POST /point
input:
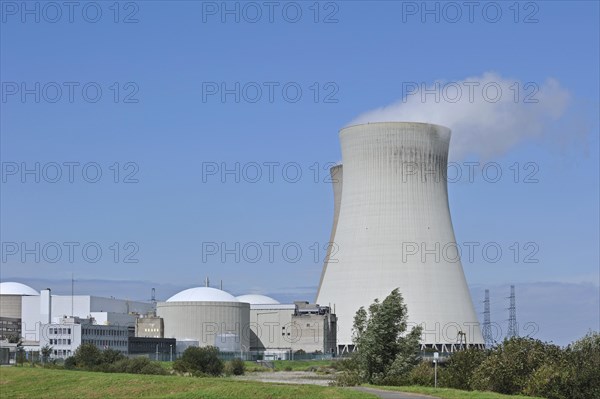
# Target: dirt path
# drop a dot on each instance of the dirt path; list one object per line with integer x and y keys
{"x": 312, "y": 378}
{"x": 392, "y": 394}
{"x": 288, "y": 377}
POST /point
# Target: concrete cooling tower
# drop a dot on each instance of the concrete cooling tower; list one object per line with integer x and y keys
{"x": 392, "y": 229}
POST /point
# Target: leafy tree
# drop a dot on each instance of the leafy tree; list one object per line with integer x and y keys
{"x": 459, "y": 369}
{"x": 511, "y": 364}
{"x": 583, "y": 357}
{"x": 88, "y": 356}
{"x": 110, "y": 356}
{"x": 385, "y": 354}
{"x": 423, "y": 374}
{"x": 46, "y": 352}
{"x": 200, "y": 361}
{"x": 70, "y": 363}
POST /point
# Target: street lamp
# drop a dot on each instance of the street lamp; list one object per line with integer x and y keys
{"x": 171, "y": 347}
{"x": 436, "y": 356}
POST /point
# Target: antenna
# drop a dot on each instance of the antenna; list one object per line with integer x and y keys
{"x": 153, "y": 295}
{"x": 513, "y": 328}
{"x": 206, "y": 282}
{"x": 221, "y": 285}
{"x": 487, "y": 322}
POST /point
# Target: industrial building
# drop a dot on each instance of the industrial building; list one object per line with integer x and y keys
{"x": 47, "y": 309}
{"x": 149, "y": 326}
{"x": 208, "y": 316}
{"x": 278, "y": 330}
{"x": 163, "y": 349}
{"x": 391, "y": 223}
{"x": 270, "y": 332}
{"x": 10, "y": 307}
{"x": 315, "y": 329}
{"x": 68, "y": 333}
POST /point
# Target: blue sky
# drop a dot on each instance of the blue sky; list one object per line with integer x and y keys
{"x": 166, "y": 131}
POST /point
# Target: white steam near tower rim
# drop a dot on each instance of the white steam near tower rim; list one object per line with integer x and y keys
{"x": 489, "y": 114}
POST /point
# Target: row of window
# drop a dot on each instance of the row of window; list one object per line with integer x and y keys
{"x": 61, "y": 331}
{"x": 102, "y": 331}
{"x": 62, "y": 352}
{"x": 104, "y": 342}
{"x": 61, "y": 341}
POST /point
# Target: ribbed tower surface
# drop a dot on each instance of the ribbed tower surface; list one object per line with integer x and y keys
{"x": 392, "y": 229}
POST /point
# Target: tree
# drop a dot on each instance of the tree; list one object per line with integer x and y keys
{"x": 46, "y": 352}
{"x": 459, "y": 369}
{"x": 88, "y": 356}
{"x": 510, "y": 366}
{"x": 385, "y": 354}
{"x": 200, "y": 361}
{"x": 110, "y": 356}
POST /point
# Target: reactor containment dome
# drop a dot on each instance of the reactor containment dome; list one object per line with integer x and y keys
{"x": 392, "y": 229}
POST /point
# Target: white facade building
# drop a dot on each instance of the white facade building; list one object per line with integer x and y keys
{"x": 48, "y": 309}
{"x": 65, "y": 336}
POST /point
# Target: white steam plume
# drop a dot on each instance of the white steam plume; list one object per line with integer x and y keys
{"x": 488, "y": 114}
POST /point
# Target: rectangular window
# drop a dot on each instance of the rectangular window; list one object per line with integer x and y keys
{"x": 69, "y": 331}
{"x": 68, "y": 341}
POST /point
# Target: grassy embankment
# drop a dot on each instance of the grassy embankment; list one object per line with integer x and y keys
{"x": 448, "y": 393}
{"x": 27, "y": 382}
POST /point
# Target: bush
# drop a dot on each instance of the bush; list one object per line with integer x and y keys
{"x": 347, "y": 378}
{"x": 547, "y": 381}
{"x": 119, "y": 366}
{"x": 423, "y": 374}
{"x": 136, "y": 365}
{"x": 153, "y": 368}
{"x": 235, "y": 367}
{"x": 110, "y": 356}
{"x": 509, "y": 366}
{"x": 459, "y": 369}
{"x": 70, "y": 363}
{"x": 88, "y": 356}
{"x": 200, "y": 361}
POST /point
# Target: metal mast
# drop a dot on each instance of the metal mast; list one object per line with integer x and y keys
{"x": 487, "y": 321}
{"x": 513, "y": 329}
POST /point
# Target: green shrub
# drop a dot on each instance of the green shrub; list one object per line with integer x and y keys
{"x": 235, "y": 367}
{"x": 200, "y": 361}
{"x": 70, "y": 363}
{"x": 509, "y": 366}
{"x": 423, "y": 374}
{"x": 459, "y": 369}
{"x": 153, "y": 368}
{"x": 547, "y": 381}
{"x": 347, "y": 378}
{"x": 87, "y": 356}
{"x": 136, "y": 365}
{"x": 120, "y": 366}
{"x": 110, "y": 356}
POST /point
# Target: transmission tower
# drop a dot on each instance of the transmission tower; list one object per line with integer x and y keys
{"x": 513, "y": 329}
{"x": 487, "y": 322}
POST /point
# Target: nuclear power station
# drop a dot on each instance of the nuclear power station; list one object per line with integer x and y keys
{"x": 392, "y": 229}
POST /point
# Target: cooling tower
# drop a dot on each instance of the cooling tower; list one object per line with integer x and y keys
{"x": 392, "y": 229}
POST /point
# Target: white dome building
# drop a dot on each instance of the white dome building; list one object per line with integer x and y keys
{"x": 210, "y": 316}
{"x": 256, "y": 299}
{"x": 11, "y": 308}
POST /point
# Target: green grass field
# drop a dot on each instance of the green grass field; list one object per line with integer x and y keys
{"x": 447, "y": 393}
{"x": 26, "y": 382}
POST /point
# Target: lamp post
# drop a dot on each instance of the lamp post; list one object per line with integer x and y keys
{"x": 156, "y": 352}
{"x": 436, "y": 356}
{"x": 171, "y": 347}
